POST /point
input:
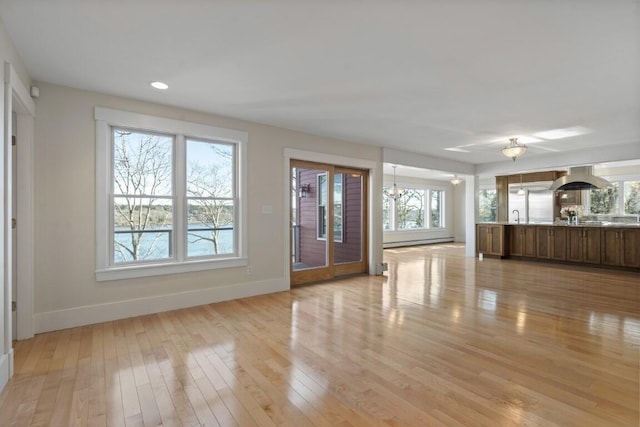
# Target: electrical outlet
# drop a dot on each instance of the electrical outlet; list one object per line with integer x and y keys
{"x": 384, "y": 266}
{"x": 249, "y": 269}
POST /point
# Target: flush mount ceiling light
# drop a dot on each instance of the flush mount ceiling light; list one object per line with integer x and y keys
{"x": 160, "y": 85}
{"x": 456, "y": 180}
{"x": 394, "y": 192}
{"x": 514, "y": 150}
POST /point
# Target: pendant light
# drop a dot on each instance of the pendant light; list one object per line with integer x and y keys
{"x": 395, "y": 193}
{"x": 521, "y": 191}
{"x": 456, "y": 180}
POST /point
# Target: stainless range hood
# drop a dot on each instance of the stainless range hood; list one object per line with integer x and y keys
{"x": 579, "y": 178}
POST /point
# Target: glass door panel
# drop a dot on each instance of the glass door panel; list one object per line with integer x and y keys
{"x": 309, "y": 221}
{"x": 349, "y": 241}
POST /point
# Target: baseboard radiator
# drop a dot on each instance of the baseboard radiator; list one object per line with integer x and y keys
{"x": 417, "y": 242}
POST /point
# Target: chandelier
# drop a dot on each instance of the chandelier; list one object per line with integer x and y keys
{"x": 456, "y": 180}
{"x": 394, "y": 192}
{"x": 514, "y": 150}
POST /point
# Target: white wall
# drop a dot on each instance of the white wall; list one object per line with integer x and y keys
{"x": 66, "y": 292}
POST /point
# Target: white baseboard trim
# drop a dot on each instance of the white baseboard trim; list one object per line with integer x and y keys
{"x": 11, "y": 363}
{"x": 90, "y": 314}
{"x": 417, "y": 242}
{"x": 5, "y": 369}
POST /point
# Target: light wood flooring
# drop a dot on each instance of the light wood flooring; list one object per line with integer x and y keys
{"x": 441, "y": 339}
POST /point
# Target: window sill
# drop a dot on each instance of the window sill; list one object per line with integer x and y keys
{"x": 135, "y": 271}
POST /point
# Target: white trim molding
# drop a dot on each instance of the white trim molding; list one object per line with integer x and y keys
{"x": 91, "y": 314}
{"x": 16, "y": 98}
{"x": 5, "y": 368}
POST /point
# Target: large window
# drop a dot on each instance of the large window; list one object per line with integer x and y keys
{"x": 622, "y": 198}
{"x": 437, "y": 208}
{"x": 417, "y": 208}
{"x": 142, "y": 196}
{"x": 487, "y": 202}
{"x": 169, "y": 196}
{"x": 409, "y": 209}
{"x": 632, "y": 197}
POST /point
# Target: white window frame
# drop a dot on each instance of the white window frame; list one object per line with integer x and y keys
{"x": 425, "y": 219}
{"x": 322, "y": 208}
{"x": 428, "y": 226}
{"x": 107, "y": 118}
{"x": 443, "y": 215}
{"x": 338, "y": 238}
{"x": 586, "y": 196}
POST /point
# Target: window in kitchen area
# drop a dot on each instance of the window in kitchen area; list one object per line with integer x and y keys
{"x": 487, "y": 205}
{"x": 622, "y": 198}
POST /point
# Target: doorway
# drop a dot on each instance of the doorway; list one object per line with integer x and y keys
{"x": 328, "y": 221}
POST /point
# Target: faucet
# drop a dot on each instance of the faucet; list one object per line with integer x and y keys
{"x": 517, "y": 212}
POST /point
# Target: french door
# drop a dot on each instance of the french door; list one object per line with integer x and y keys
{"x": 328, "y": 221}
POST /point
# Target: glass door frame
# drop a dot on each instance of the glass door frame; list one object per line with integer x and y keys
{"x": 330, "y": 270}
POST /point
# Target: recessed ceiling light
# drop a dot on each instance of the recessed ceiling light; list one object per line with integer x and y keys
{"x": 563, "y": 133}
{"x": 160, "y": 85}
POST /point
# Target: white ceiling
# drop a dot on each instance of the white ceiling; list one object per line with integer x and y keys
{"x": 416, "y": 76}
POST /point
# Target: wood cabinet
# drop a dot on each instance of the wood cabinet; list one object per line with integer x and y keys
{"x": 502, "y": 198}
{"x": 559, "y": 243}
{"x": 583, "y": 244}
{"x": 621, "y": 247}
{"x": 611, "y": 246}
{"x": 490, "y": 239}
{"x": 522, "y": 241}
{"x": 551, "y": 243}
{"x": 570, "y": 197}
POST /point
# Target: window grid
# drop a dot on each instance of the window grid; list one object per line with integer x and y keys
{"x": 622, "y": 198}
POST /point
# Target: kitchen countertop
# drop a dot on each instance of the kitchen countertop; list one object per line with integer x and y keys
{"x": 599, "y": 224}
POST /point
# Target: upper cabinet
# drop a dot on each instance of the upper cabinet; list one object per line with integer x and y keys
{"x": 570, "y": 197}
{"x": 502, "y": 190}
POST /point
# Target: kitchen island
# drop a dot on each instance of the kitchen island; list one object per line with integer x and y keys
{"x": 594, "y": 244}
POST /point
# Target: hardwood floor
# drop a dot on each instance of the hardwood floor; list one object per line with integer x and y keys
{"x": 442, "y": 340}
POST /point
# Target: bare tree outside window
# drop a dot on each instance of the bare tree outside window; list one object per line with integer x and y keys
{"x": 169, "y": 196}
{"x": 386, "y": 210}
{"x": 142, "y": 202}
{"x": 210, "y": 201}
{"x": 437, "y": 208}
{"x": 410, "y": 209}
